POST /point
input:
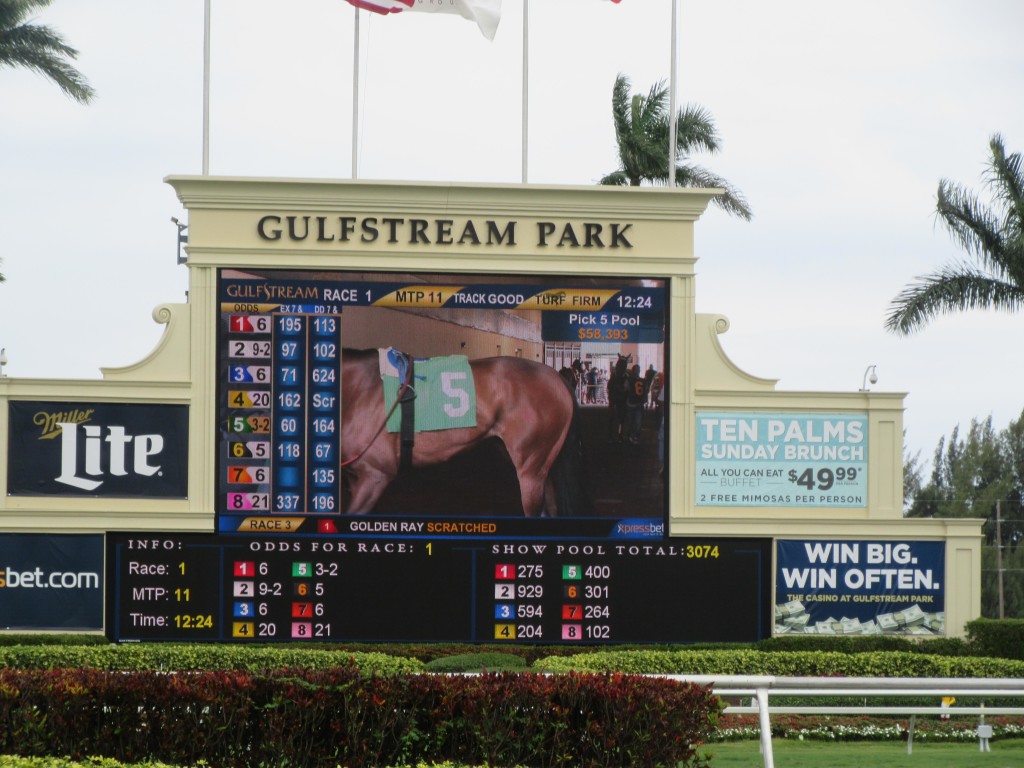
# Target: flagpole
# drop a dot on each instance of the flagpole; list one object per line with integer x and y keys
{"x": 206, "y": 88}
{"x": 355, "y": 94}
{"x": 672, "y": 148}
{"x": 526, "y": 85}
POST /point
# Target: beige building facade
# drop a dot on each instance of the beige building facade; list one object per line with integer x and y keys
{"x": 241, "y": 225}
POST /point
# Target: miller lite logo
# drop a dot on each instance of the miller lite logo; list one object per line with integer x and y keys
{"x": 99, "y": 449}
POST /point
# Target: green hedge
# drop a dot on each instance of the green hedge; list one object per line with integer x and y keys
{"x": 987, "y": 637}
{"x": 165, "y": 657}
{"x": 13, "y": 761}
{"x": 342, "y": 717}
{"x": 794, "y": 663}
{"x": 51, "y": 638}
{"x": 997, "y": 637}
{"x": 939, "y": 646}
{"x": 478, "y": 662}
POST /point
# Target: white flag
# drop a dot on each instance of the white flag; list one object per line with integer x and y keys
{"x": 486, "y": 13}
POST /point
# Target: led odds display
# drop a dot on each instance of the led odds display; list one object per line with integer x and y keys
{"x": 232, "y": 589}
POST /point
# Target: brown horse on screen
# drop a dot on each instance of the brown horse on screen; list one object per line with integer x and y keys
{"x": 525, "y": 404}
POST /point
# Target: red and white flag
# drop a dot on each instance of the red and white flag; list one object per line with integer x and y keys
{"x": 486, "y": 13}
{"x": 383, "y": 6}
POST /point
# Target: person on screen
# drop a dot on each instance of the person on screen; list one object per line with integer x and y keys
{"x": 636, "y": 398}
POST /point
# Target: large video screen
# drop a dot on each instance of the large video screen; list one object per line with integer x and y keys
{"x": 474, "y": 405}
{"x": 433, "y": 458}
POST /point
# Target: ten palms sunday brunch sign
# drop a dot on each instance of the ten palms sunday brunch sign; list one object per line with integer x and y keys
{"x": 753, "y": 459}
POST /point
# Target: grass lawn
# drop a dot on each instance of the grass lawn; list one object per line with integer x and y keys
{"x": 866, "y": 754}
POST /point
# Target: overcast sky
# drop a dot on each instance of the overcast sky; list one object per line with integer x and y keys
{"x": 837, "y": 120}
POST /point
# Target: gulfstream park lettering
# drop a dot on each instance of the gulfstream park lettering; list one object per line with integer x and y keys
{"x": 370, "y": 229}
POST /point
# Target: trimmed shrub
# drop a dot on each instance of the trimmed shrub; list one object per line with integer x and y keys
{"x": 172, "y": 656}
{"x": 478, "y": 662}
{"x": 339, "y": 716}
{"x": 1001, "y": 638}
{"x": 792, "y": 664}
{"x": 51, "y": 638}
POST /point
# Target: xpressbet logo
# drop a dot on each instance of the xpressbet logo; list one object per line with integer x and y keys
{"x": 117, "y": 440}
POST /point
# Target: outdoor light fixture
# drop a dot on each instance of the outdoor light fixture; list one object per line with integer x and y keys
{"x": 182, "y": 238}
{"x": 3, "y": 360}
{"x": 869, "y": 377}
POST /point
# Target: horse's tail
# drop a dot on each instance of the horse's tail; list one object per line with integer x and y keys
{"x": 568, "y": 474}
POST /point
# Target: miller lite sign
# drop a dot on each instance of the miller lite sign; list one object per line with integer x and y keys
{"x": 97, "y": 449}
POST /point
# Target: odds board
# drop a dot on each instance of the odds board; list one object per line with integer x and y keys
{"x": 229, "y": 589}
{"x": 281, "y": 412}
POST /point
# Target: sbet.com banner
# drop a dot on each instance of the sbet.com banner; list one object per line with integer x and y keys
{"x": 781, "y": 459}
{"x": 51, "y": 581}
{"x": 826, "y": 587}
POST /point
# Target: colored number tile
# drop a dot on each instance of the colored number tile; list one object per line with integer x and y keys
{"x": 504, "y": 611}
{"x": 504, "y": 571}
{"x": 572, "y": 612}
{"x": 244, "y": 609}
{"x": 504, "y": 631}
{"x": 243, "y": 588}
{"x": 302, "y": 570}
{"x": 244, "y": 568}
{"x": 243, "y": 629}
{"x": 572, "y": 572}
{"x": 302, "y": 629}
{"x": 572, "y": 631}
{"x": 302, "y": 610}
{"x": 504, "y": 592}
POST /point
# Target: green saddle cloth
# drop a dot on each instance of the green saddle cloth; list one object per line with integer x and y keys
{"x": 445, "y": 393}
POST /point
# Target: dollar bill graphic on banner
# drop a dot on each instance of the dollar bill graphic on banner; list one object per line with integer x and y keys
{"x": 911, "y": 621}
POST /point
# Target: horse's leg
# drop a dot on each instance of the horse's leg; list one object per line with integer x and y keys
{"x": 368, "y": 485}
{"x": 550, "y": 499}
{"x": 533, "y": 467}
{"x": 532, "y": 490}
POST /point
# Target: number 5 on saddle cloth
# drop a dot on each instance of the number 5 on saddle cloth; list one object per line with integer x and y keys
{"x": 440, "y": 395}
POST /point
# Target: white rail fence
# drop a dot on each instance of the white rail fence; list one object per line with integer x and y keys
{"x": 761, "y": 687}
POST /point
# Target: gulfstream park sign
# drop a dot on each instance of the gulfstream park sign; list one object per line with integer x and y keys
{"x": 466, "y": 232}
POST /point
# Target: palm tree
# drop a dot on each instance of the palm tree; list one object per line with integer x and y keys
{"x": 39, "y": 48}
{"x": 642, "y": 131}
{"x": 993, "y": 235}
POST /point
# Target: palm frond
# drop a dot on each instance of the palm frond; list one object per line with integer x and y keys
{"x": 40, "y": 49}
{"x": 14, "y": 12}
{"x": 620, "y": 106}
{"x": 731, "y": 200}
{"x": 695, "y": 130}
{"x": 652, "y": 109}
{"x": 955, "y": 288}
{"x": 972, "y": 223}
{"x": 1005, "y": 178}
{"x": 615, "y": 179}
